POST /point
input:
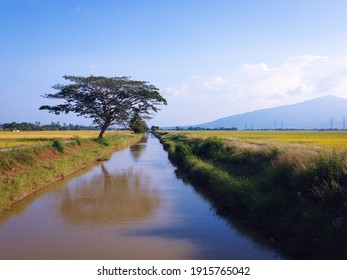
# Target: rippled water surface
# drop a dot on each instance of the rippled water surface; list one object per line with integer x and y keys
{"x": 130, "y": 207}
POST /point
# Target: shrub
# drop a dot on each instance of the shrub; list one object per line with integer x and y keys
{"x": 211, "y": 147}
{"x": 78, "y": 140}
{"x": 58, "y": 145}
{"x": 102, "y": 141}
{"x": 138, "y": 125}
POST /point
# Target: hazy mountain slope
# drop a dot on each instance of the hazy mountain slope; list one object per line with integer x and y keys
{"x": 318, "y": 113}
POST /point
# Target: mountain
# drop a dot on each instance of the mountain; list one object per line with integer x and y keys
{"x": 320, "y": 113}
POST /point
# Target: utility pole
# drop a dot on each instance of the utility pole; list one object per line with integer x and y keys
{"x": 344, "y": 123}
{"x": 331, "y": 123}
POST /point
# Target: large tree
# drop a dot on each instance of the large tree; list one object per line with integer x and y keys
{"x": 108, "y": 101}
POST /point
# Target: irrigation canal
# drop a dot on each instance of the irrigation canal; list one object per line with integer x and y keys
{"x": 130, "y": 207}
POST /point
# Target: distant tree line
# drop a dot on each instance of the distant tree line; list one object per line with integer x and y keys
{"x": 37, "y": 126}
{"x": 201, "y": 128}
{"x": 262, "y": 129}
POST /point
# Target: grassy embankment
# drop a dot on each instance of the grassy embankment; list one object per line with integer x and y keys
{"x": 26, "y": 170}
{"x": 296, "y": 193}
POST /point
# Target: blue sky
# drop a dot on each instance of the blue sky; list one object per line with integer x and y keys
{"x": 210, "y": 59}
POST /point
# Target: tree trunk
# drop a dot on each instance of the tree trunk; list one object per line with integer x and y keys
{"x": 103, "y": 129}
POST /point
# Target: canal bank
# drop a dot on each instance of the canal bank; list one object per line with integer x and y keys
{"x": 25, "y": 171}
{"x": 131, "y": 206}
{"x": 297, "y": 196}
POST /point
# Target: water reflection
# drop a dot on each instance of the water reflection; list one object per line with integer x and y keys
{"x": 130, "y": 207}
{"x": 111, "y": 198}
{"x": 138, "y": 149}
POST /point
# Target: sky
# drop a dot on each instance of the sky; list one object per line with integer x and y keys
{"x": 209, "y": 59}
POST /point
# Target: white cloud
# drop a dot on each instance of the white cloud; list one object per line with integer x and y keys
{"x": 304, "y": 60}
{"x": 256, "y": 86}
{"x": 255, "y": 68}
{"x": 297, "y": 79}
{"x": 297, "y": 76}
{"x": 335, "y": 83}
{"x": 176, "y": 91}
{"x": 214, "y": 83}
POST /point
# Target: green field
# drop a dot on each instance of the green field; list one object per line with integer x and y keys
{"x": 332, "y": 139}
{"x": 11, "y": 139}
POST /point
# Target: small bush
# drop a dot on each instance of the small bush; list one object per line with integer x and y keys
{"x": 78, "y": 140}
{"x": 58, "y": 145}
{"x": 211, "y": 147}
{"x": 329, "y": 167}
{"x": 102, "y": 141}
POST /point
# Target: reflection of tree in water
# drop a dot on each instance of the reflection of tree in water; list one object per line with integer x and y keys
{"x": 137, "y": 149}
{"x": 110, "y": 198}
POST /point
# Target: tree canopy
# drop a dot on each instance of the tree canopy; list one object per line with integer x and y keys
{"x": 108, "y": 101}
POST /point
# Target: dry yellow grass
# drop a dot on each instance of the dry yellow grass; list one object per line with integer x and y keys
{"x": 328, "y": 139}
{"x": 10, "y": 139}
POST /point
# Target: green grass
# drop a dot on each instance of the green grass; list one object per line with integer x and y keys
{"x": 58, "y": 145}
{"x": 24, "y": 171}
{"x": 297, "y": 194}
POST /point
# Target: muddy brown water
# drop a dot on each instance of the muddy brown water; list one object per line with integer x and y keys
{"x": 130, "y": 207}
